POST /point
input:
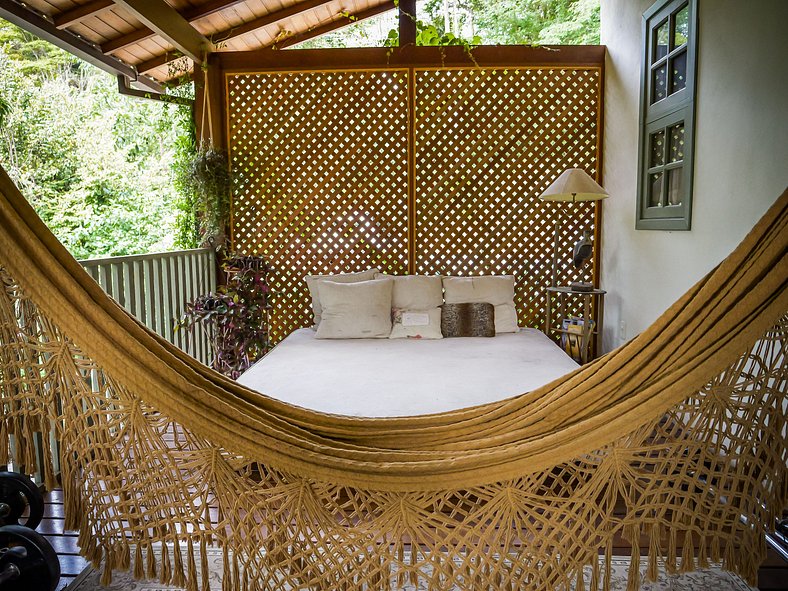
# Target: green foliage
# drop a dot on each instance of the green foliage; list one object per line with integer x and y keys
{"x": 543, "y": 22}
{"x": 205, "y": 182}
{"x": 33, "y": 56}
{"x": 187, "y": 226}
{"x": 476, "y": 22}
{"x": 430, "y": 35}
{"x": 95, "y": 164}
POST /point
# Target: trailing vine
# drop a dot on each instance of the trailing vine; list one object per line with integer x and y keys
{"x": 210, "y": 180}
{"x": 428, "y": 35}
{"x": 203, "y": 179}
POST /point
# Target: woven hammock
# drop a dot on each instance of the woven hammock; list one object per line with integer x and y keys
{"x": 677, "y": 439}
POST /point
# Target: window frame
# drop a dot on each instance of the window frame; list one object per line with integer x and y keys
{"x": 676, "y": 107}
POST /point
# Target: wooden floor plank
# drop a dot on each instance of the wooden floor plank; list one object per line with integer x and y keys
{"x": 65, "y": 581}
{"x": 51, "y": 526}
{"x": 64, "y": 544}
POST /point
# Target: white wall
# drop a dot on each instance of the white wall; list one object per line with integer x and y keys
{"x": 741, "y": 153}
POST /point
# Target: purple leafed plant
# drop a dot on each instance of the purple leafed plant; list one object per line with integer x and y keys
{"x": 235, "y": 315}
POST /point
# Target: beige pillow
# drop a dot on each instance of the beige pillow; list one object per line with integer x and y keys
{"x": 359, "y": 310}
{"x": 311, "y": 283}
{"x": 415, "y": 306}
{"x": 497, "y": 290}
{"x": 415, "y": 292}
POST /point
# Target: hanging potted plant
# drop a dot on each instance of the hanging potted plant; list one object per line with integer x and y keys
{"x": 208, "y": 179}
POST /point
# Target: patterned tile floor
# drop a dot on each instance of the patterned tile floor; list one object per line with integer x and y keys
{"x": 78, "y": 576}
{"x": 710, "y": 579}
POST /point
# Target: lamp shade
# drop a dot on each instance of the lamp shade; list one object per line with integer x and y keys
{"x": 574, "y": 185}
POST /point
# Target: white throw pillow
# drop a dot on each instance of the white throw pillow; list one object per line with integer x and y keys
{"x": 497, "y": 290}
{"x": 415, "y": 306}
{"x": 311, "y": 283}
{"x": 359, "y": 310}
{"x": 416, "y": 324}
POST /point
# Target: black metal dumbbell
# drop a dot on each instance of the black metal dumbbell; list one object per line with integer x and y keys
{"x": 27, "y": 560}
{"x": 20, "y": 499}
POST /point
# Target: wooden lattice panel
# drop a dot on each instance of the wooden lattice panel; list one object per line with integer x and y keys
{"x": 488, "y": 142}
{"x": 322, "y": 159}
{"x": 322, "y": 166}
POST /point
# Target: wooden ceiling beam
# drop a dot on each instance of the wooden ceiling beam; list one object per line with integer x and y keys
{"x": 158, "y": 61}
{"x": 562, "y": 56}
{"x": 190, "y": 15}
{"x": 165, "y": 21}
{"x": 35, "y": 23}
{"x": 198, "y": 12}
{"x": 337, "y": 24}
{"x": 208, "y": 9}
{"x": 81, "y": 12}
{"x": 271, "y": 19}
{"x": 128, "y": 39}
{"x": 267, "y": 20}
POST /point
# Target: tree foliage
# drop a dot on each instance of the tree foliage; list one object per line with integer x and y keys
{"x": 114, "y": 175}
{"x": 543, "y": 22}
{"x": 490, "y": 22}
{"x": 96, "y": 165}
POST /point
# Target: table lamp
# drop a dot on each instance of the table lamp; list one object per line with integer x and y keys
{"x": 573, "y": 185}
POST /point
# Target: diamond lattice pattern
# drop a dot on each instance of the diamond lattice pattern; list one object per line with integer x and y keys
{"x": 484, "y": 154}
{"x": 322, "y": 182}
{"x": 324, "y": 162}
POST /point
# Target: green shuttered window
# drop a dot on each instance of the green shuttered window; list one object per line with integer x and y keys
{"x": 667, "y": 109}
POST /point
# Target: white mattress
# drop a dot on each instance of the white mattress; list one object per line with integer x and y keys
{"x": 403, "y": 377}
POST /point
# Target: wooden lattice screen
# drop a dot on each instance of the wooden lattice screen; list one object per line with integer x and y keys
{"x": 412, "y": 170}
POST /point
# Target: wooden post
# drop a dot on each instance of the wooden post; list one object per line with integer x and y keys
{"x": 407, "y": 22}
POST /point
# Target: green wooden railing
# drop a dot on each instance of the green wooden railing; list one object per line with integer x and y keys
{"x": 156, "y": 287}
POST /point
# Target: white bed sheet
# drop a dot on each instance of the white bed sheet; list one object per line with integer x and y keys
{"x": 405, "y": 377}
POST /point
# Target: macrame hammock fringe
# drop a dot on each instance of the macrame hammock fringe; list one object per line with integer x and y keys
{"x": 675, "y": 440}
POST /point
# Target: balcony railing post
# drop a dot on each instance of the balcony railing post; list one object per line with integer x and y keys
{"x": 156, "y": 287}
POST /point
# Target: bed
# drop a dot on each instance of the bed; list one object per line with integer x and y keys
{"x": 403, "y": 377}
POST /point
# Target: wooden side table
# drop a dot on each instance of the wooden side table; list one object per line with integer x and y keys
{"x": 588, "y": 332}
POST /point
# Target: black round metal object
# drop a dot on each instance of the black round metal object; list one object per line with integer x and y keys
{"x": 27, "y": 560}
{"x": 19, "y": 494}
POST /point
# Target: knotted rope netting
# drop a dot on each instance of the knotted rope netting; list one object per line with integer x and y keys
{"x": 677, "y": 439}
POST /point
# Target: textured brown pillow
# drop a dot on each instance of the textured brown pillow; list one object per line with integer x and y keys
{"x": 468, "y": 320}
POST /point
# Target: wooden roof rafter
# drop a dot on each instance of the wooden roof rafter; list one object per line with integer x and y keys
{"x": 191, "y": 15}
{"x": 285, "y": 40}
{"x": 210, "y": 8}
{"x": 343, "y": 21}
{"x": 83, "y": 11}
{"x": 163, "y": 19}
{"x": 129, "y": 37}
{"x": 30, "y": 20}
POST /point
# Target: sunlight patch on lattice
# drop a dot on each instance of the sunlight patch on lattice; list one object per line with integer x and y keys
{"x": 322, "y": 171}
{"x": 482, "y": 160}
{"x": 322, "y": 160}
